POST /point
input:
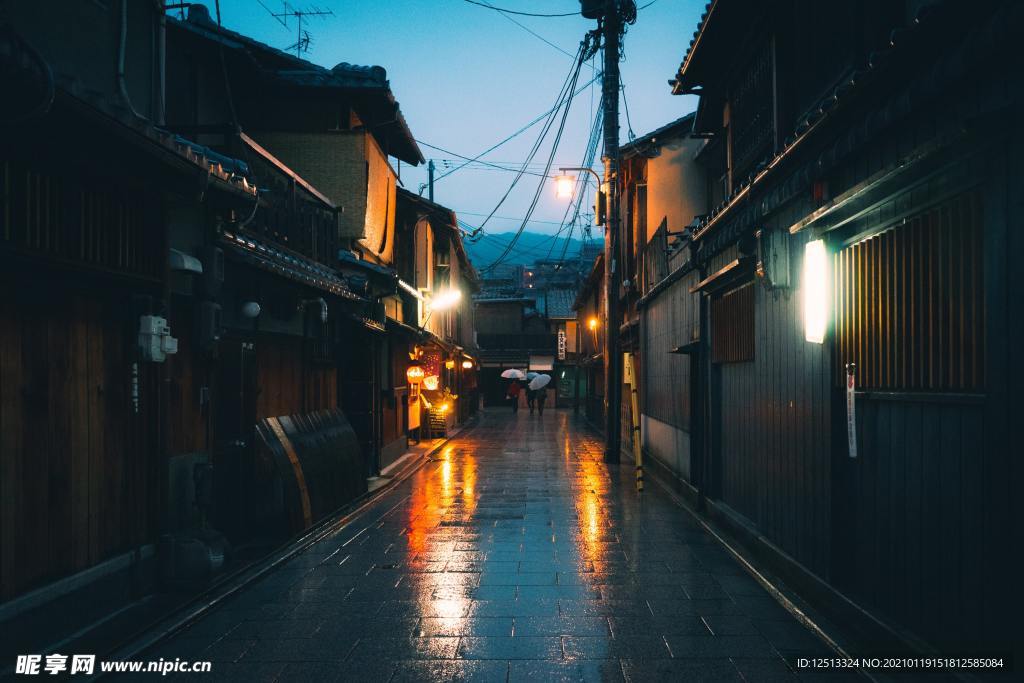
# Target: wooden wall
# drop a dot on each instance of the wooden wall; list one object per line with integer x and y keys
{"x": 917, "y": 528}
{"x": 289, "y": 385}
{"x": 187, "y": 373}
{"x": 670, "y": 320}
{"x": 774, "y": 426}
{"x": 393, "y": 410}
{"x": 77, "y": 461}
{"x": 914, "y": 502}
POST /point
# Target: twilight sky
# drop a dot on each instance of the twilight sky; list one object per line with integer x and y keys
{"x": 467, "y": 76}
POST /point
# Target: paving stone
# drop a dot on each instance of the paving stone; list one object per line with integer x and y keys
{"x": 596, "y": 671}
{"x": 506, "y": 557}
{"x": 691, "y": 671}
{"x": 530, "y": 647}
{"x": 405, "y": 648}
{"x": 514, "y": 608}
{"x": 686, "y": 647}
{"x": 603, "y": 647}
{"x": 561, "y": 626}
{"x": 461, "y": 671}
{"x": 469, "y": 626}
{"x": 767, "y": 670}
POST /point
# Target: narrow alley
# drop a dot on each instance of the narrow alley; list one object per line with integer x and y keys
{"x": 513, "y": 554}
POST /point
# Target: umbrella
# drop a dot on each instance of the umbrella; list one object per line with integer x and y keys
{"x": 512, "y": 373}
{"x": 531, "y": 375}
{"x": 539, "y": 382}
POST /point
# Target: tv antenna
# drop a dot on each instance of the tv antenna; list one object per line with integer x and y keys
{"x": 303, "y": 38}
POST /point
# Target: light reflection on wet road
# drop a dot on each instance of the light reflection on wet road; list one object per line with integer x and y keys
{"x": 515, "y": 554}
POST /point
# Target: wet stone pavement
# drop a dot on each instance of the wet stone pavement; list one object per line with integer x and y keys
{"x": 515, "y": 554}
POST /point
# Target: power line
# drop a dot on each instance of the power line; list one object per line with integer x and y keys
{"x": 588, "y": 160}
{"x": 506, "y": 218}
{"x": 537, "y": 35}
{"x": 564, "y": 98}
{"x": 519, "y": 132}
{"x": 524, "y": 14}
{"x": 469, "y": 160}
{"x": 581, "y": 56}
{"x": 625, "y": 104}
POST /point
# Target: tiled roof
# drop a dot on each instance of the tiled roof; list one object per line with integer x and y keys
{"x": 851, "y": 86}
{"x": 682, "y": 124}
{"x": 708, "y": 8}
{"x": 559, "y": 303}
{"x": 280, "y": 67}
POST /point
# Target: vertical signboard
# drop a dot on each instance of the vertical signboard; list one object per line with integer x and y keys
{"x": 851, "y": 409}
{"x": 561, "y": 344}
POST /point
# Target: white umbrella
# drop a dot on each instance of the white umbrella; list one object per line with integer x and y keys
{"x": 539, "y": 382}
{"x": 512, "y": 373}
{"x": 531, "y": 375}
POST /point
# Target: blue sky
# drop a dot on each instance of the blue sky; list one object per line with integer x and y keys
{"x": 467, "y": 76}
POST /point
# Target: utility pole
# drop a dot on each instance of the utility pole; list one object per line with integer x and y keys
{"x": 430, "y": 180}
{"x": 610, "y": 18}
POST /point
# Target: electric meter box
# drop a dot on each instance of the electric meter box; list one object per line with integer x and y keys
{"x": 155, "y": 340}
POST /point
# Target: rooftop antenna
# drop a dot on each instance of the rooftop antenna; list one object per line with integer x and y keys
{"x": 303, "y": 38}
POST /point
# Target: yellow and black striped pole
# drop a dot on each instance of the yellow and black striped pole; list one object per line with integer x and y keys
{"x": 629, "y": 373}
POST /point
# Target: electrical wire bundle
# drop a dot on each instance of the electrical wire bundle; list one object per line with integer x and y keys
{"x": 563, "y": 104}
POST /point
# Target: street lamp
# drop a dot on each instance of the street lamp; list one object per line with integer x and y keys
{"x": 441, "y": 301}
{"x": 564, "y": 185}
{"x": 445, "y": 299}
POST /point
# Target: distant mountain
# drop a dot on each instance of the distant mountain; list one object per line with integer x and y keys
{"x": 529, "y": 248}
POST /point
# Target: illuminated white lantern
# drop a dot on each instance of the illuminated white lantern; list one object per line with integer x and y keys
{"x": 817, "y": 291}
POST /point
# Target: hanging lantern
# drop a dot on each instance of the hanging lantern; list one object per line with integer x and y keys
{"x": 415, "y": 373}
{"x": 467, "y": 365}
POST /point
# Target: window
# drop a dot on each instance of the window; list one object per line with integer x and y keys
{"x": 909, "y": 307}
{"x": 732, "y": 326}
{"x": 752, "y": 113}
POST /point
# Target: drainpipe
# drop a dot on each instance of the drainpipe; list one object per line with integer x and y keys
{"x": 161, "y": 65}
{"x": 122, "y": 48}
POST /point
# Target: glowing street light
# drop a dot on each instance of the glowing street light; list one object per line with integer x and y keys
{"x": 564, "y": 185}
{"x": 592, "y": 323}
{"x": 445, "y": 299}
{"x": 816, "y": 287}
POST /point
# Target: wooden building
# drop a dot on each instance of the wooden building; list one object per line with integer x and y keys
{"x": 511, "y": 334}
{"x": 432, "y": 263}
{"x": 838, "y": 320}
{"x": 209, "y": 302}
{"x": 663, "y": 194}
{"x": 91, "y": 187}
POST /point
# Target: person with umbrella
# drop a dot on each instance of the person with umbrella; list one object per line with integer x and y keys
{"x": 514, "y": 388}
{"x": 531, "y": 396}
{"x": 538, "y": 385}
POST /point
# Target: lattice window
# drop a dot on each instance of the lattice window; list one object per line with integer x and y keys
{"x": 909, "y": 303}
{"x": 72, "y": 221}
{"x": 752, "y": 119}
{"x": 732, "y": 326}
